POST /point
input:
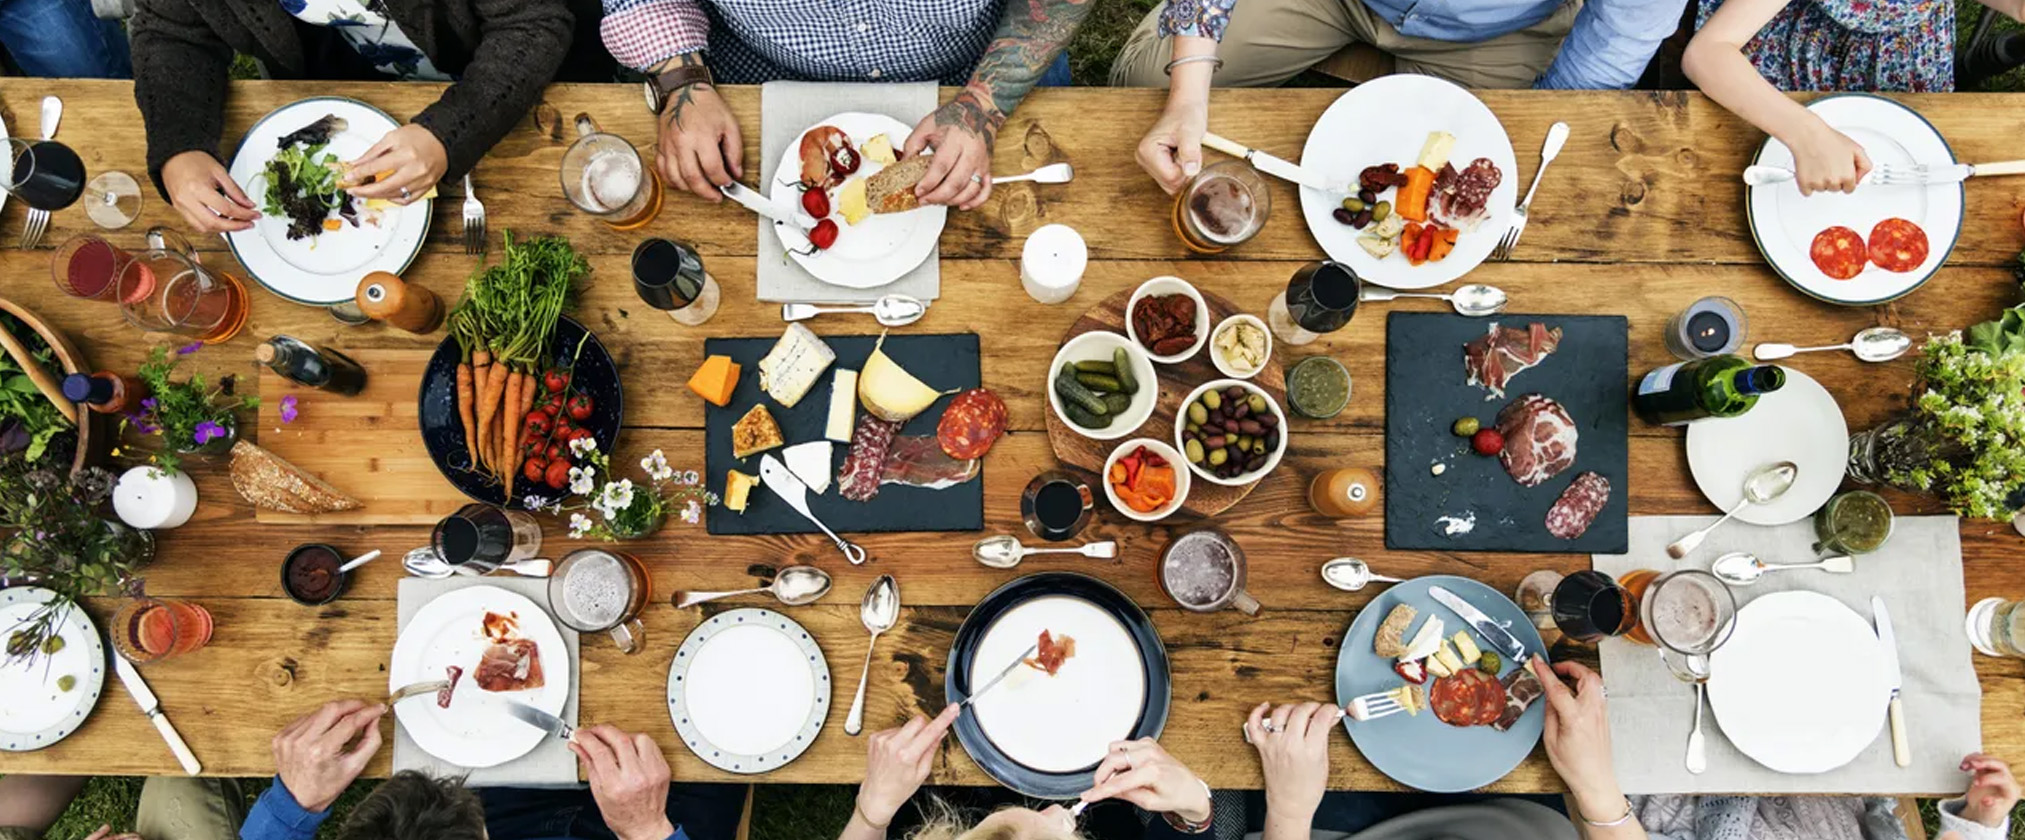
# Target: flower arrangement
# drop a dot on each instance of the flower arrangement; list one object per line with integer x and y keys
{"x": 187, "y": 414}
{"x": 626, "y": 510}
{"x": 1964, "y": 439}
{"x": 60, "y": 541}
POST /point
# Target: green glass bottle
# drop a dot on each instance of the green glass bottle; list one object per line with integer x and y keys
{"x": 1718, "y": 386}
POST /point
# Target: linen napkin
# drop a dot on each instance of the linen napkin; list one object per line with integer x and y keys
{"x": 1919, "y": 573}
{"x": 549, "y": 765}
{"x": 786, "y": 109}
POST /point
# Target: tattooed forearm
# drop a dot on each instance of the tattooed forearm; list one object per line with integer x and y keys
{"x": 1028, "y": 39}
{"x": 671, "y": 111}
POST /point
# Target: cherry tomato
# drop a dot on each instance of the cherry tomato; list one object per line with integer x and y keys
{"x": 579, "y": 433}
{"x": 536, "y": 467}
{"x": 580, "y": 407}
{"x": 1487, "y": 442}
{"x": 844, "y": 160}
{"x": 824, "y": 234}
{"x": 558, "y": 475}
{"x": 539, "y": 424}
{"x": 816, "y": 202}
{"x": 557, "y": 450}
{"x": 555, "y": 381}
{"x": 549, "y": 408}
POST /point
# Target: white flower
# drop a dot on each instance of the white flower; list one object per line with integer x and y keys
{"x": 617, "y": 496}
{"x": 656, "y": 466}
{"x": 579, "y": 526}
{"x": 533, "y": 502}
{"x": 692, "y": 513}
{"x": 583, "y": 446}
{"x": 582, "y": 480}
{"x": 690, "y": 477}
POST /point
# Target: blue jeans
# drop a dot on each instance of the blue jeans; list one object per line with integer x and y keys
{"x": 1058, "y": 72}
{"x": 701, "y": 811}
{"x": 61, "y": 38}
{"x": 1351, "y": 812}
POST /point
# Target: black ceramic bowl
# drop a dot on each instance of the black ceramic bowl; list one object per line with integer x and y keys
{"x": 337, "y": 588}
{"x": 443, "y": 431}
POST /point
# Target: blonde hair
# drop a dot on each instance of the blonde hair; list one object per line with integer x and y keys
{"x": 942, "y": 821}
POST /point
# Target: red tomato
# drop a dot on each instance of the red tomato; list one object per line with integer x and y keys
{"x": 548, "y": 408}
{"x": 539, "y": 424}
{"x": 556, "y": 450}
{"x": 558, "y": 475}
{"x": 579, "y": 433}
{"x": 580, "y": 407}
{"x": 1487, "y": 442}
{"x": 824, "y": 234}
{"x": 537, "y": 467}
{"x": 844, "y": 160}
{"x": 555, "y": 381}
{"x": 816, "y": 202}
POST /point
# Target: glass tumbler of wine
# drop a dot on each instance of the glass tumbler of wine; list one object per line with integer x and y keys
{"x": 1320, "y": 298}
{"x": 1587, "y": 606}
{"x": 43, "y": 174}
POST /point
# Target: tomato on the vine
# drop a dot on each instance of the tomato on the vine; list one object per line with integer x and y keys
{"x": 816, "y": 202}
{"x": 555, "y": 381}
{"x": 558, "y": 475}
{"x": 580, "y": 407}
{"x": 824, "y": 234}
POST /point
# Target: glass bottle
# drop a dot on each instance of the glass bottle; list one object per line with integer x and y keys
{"x": 316, "y": 367}
{"x": 105, "y": 392}
{"x": 1718, "y": 386}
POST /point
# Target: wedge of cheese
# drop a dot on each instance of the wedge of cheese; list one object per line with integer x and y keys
{"x": 843, "y": 407}
{"x": 738, "y": 490}
{"x": 810, "y": 462}
{"x": 1447, "y": 660}
{"x": 791, "y": 368}
{"x": 754, "y": 433}
{"x": 851, "y": 201}
{"x": 1466, "y": 647}
{"x": 889, "y": 391}
{"x": 1434, "y": 153}
{"x": 879, "y": 150}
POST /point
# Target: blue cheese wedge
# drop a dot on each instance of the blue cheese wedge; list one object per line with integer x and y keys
{"x": 810, "y": 462}
{"x": 843, "y": 406}
{"x": 791, "y": 368}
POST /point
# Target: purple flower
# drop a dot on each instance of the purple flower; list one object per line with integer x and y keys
{"x": 187, "y": 349}
{"x": 288, "y": 411}
{"x": 208, "y": 431}
{"x": 149, "y": 403}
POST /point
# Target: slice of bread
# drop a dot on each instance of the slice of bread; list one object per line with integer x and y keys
{"x": 270, "y": 483}
{"x": 1391, "y": 639}
{"x": 892, "y": 189}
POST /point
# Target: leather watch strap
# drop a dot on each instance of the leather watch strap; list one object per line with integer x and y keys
{"x": 668, "y": 82}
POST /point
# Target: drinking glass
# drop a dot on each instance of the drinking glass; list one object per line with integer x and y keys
{"x": 1687, "y": 612}
{"x": 1856, "y": 522}
{"x": 1056, "y": 505}
{"x": 598, "y": 591}
{"x": 89, "y": 267}
{"x": 1222, "y": 206}
{"x": 1997, "y": 627}
{"x": 44, "y": 174}
{"x": 669, "y": 276}
{"x": 1320, "y": 298}
{"x": 1204, "y": 571}
{"x": 112, "y": 200}
{"x": 151, "y": 629}
{"x": 483, "y": 537}
{"x": 168, "y": 290}
{"x": 603, "y": 175}
{"x": 1587, "y": 606}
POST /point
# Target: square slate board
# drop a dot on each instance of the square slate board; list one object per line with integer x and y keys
{"x": 942, "y": 361}
{"x": 1426, "y": 391}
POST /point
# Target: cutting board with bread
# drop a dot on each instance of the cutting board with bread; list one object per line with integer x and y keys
{"x": 365, "y": 449}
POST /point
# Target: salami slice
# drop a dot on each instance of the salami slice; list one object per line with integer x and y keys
{"x": 1460, "y": 196}
{"x": 1453, "y": 700}
{"x": 1839, "y": 252}
{"x": 1578, "y": 506}
{"x": 972, "y": 422}
{"x": 858, "y": 479}
{"x": 1490, "y": 697}
{"x": 1898, "y": 245}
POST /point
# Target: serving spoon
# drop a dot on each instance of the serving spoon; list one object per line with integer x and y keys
{"x": 1763, "y": 485}
{"x": 1474, "y": 300}
{"x": 1876, "y": 344}
{"x": 879, "y": 612}
{"x": 1005, "y": 551}
{"x": 1743, "y": 569}
{"x": 794, "y": 587}
{"x": 890, "y": 310}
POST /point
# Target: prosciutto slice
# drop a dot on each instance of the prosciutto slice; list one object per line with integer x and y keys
{"x": 1521, "y": 689}
{"x": 1503, "y": 352}
{"x": 919, "y": 461}
{"x": 1539, "y": 439}
{"x": 512, "y": 665}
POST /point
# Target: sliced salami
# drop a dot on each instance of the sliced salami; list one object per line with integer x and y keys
{"x": 1461, "y": 196}
{"x": 1898, "y": 245}
{"x": 858, "y": 479}
{"x": 972, "y": 422}
{"x": 1453, "y": 700}
{"x": 1839, "y": 252}
{"x": 1490, "y": 698}
{"x": 1578, "y": 506}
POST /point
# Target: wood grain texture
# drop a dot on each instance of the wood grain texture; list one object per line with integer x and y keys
{"x": 396, "y": 479}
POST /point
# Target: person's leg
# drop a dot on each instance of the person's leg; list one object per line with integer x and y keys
{"x": 521, "y": 813}
{"x": 62, "y": 38}
{"x": 706, "y": 811}
{"x": 1510, "y": 61}
{"x": 1057, "y": 74}
{"x": 29, "y": 805}
{"x": 186, "y": 808}
{"x": 1265, "y": 43}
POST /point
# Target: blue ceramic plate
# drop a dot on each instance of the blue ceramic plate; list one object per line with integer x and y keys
{"x": 443, "y": 431}
{"x": 1418, "y": 750}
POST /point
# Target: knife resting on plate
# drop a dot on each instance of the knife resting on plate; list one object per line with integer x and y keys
{"x": 1276, "y": 166}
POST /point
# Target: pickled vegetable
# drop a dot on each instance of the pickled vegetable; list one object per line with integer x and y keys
{"x": 1465, "y": 427}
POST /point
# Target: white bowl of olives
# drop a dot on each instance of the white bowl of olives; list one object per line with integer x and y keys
{"x": 1230, "y": 432}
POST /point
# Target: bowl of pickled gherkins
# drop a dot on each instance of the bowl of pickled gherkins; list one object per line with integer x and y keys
{"x": 1230, "y": 432}
{"x": 1102, "y": 385}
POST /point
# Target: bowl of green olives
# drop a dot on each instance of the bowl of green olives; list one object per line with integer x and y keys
{"x": 1230, "y": 432}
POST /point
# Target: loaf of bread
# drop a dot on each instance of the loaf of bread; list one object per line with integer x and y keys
{"x": 270, "y": 483}
{"x": 892, "y": 189}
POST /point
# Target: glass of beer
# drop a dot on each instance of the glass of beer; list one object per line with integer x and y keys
{"x": 1204, "y": 571}
{"x": 1687, "y": 612}
{"x": 1221, "y": 207}
{"x": 598, "y": 591}
{"x": 167, "y": 290}
{"x": 603, "y": 175}
{"x": 152, "y": 629}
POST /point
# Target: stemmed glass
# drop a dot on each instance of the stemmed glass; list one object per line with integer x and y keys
{"x": 112, "y": 200}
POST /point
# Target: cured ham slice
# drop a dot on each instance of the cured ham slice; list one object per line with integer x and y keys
{"x": 512, "y": 665}
{"x": 1503, "y": 352}
{"x": 817, "y": 146}
{"x": 1053, "y": 652}
{"x": 1539, "y": 439}
{"x": 919, "y": 461}
{"x": 1521, "y": 689}
{"x": 453, "y": 674}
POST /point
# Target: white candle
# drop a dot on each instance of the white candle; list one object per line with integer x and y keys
{"x": 148, "y": 498}
{"x": 1052, "y": 263}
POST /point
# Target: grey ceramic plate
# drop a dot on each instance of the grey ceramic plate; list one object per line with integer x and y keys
{"x": 1418, "y": 750}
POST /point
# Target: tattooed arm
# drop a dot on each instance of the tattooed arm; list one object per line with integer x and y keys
{"x": 964, "y": 132}
{"x": 699, "y": 148}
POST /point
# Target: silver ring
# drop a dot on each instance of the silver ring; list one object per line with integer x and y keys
{"x": 976, "y": 178}
{"x": 404, "y": 193}
{"x": 1268, "y": 726}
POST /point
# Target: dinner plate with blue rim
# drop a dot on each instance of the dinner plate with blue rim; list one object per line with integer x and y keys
{"x": 748, "y": 690}
{"x": 39, "y": 709}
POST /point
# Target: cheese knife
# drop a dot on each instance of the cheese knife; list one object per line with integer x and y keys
{"x": 1901, "y": 750}
{"x": 757, "y": 203}
{"x": 1276, "y": 166}
{"x": 776, "y": 477}
{"x": 1492, "y": 631}
{"x": 550, "y": 724}
{"x": 152, "y": 707}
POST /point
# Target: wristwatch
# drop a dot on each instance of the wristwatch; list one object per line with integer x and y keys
{"x": 660, "y": 87}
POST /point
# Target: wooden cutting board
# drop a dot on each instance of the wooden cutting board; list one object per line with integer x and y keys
{"x": 369, "y": 446}
{"x": 1205, "y": 498}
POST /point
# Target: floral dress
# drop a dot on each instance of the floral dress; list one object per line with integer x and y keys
{"x": 366, "y": 26}
{"x": 1870, "y": 45}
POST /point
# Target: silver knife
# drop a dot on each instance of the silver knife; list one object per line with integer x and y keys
{"x": 791, "y": 490}
{"x": 152, "y": 707}
{"x": 1276, "y": 166}
{"x": 1492, "y": 631}
{"x": 1016, "y": 663}
{"x": 1919, "y": 175}
{"x": 541, "y": 720}
{"x": 760, "y": 204}
{"x": 1901, "y": 750}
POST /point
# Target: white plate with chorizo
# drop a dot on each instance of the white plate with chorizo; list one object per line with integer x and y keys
{"x": 506, "y": 649}
{"x": 1801, "y": 686}
{"x": 843, "y": 157}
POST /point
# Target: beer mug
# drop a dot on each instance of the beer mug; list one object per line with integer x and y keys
{"x": 166, "y": 289}
{"x": 599, "y": 591}
{"x": 603, "y": 175}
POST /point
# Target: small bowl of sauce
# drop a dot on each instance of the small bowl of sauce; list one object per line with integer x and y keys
{"x": 310, "y": 575}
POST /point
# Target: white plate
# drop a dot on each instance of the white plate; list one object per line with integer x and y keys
{"x": 1784, "y": 223}
{"x": 476, "y": 730}
{"x": 324, "y": 269}
{"x": 1387, "y": 120}
{"x": 1063, "y": 723}
{"x": 1800, "y": 687}
{"x": 876, "y": 251}
{"x": 1800, "y": 423}
{"x": 36, "y": 714}
{"x": 748, "y": 690}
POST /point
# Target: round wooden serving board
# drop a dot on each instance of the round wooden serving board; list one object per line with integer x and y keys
{"x": 1205, "y": 498}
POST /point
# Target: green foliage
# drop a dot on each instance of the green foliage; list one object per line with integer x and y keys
{"x": 59, "y": 541}
{"x": 1971, "y": 406}
{"x": 22, "y": 404}
{"x": 186, "y": 414}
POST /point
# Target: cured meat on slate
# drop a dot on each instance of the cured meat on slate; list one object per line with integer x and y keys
{"x": 1502, "y": 352}
{"x": 972, "y": 422}
{"x": 918, "y": 461}
{"x": 1571, "y": 514}
{"x": 1539, "y": 439}
{"x": 864, "y": 467}
{"x": 510, "y": 665}
{"x": 1461, "y": 199}
{"x": 1521, "y": 689}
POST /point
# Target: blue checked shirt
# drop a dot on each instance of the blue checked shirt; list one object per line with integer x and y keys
{"x": 1607, "y": 49}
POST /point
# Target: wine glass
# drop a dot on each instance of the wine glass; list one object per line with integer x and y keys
{"x": 112, "y": 200}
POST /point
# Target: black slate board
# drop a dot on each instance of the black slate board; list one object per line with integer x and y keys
{"x": 1426, "y": 391}
{"x": 942, "y": 361}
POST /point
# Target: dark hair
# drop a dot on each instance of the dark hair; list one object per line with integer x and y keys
{"x": 416, "y": 806}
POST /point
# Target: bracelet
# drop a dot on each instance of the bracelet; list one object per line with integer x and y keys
{"x": 1192, "y": 59}
{"x": 1186, "y": 827}
{"x": 1611, "y": 824}
{"x": 860, "y": 813}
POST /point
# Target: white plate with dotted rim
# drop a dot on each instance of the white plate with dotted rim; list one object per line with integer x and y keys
{"x": 749, "y": 690}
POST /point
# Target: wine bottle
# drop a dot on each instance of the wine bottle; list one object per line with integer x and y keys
{"x": 317, "y": 367}
{"x": 1718, "y": 386}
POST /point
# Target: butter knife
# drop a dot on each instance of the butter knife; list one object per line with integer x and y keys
{"x": 1492, "y": 631}
{"x": 757, "y": 203}
{"x": 1016, "y": 663}
{"x": 1901, "y": 749}
{"x": 152, "y": 707}
{"x": 1276, "y": 166}
{"x": 791, "y": 490}
{"x": 541, "y": 720}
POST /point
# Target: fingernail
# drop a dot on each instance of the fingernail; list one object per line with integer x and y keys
{"x": 1191, "y": 168}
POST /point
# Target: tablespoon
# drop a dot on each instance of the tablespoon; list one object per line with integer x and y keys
{"x": 891, "y": 310}
{"x": 1474, "y": 300}
{"x": 879, "y": 612}
{"x": 1697, "y": 745}
{"x": 794, "y": 586}
{"x": 1877, "y": 344}
{"x": 1350, "y": 574}
{"x": 1762, "y": 485}
{"x": 1742, "y": 569}
{"x": 1053, "y": 173}
{"x": 1006, "y": 551}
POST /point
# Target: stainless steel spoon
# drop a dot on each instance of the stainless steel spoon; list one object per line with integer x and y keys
{"x": 1763, "y": 485}
{"x": 1053, "y": 173}
{"x": 1475, "y": 300}
{"x": 891, "y": 310}
{"x": 1743, "y": 569}
{"x": 1697, "y": 745}
{"x": 880, "y": 612}
{"x": 424, "y": 562}
{"x": 1006, "y": 551}
{"x": 793, "y": 586}
{"x": 1877, "y": 344}
{"x": 1350, "y": 574}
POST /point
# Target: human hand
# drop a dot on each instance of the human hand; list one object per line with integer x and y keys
{"x": 629, "y": 781}
{"x": 1826, "y": 159}
{"x": 897, "y": 762}
{"x": 311, "y": 757}
{"x": 1293, "y": 745}
{"x": 104, "y": 832}
{"x": 962, "y": 134}
{"x": 1577, "y": 736}
{"x": 205, "y": 194}
{"x": 1142, "y": 773}
{"x": 405, "y": 165}
{"x": 1992, "y": 790}
{"x": 1171, "y": 151}
{"x": 699, "y": 148}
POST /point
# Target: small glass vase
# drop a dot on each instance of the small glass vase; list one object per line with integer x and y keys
{"x": 215, "y": 446}
{"x": 635, "y": 523}
{"x": 1901, "y": 444}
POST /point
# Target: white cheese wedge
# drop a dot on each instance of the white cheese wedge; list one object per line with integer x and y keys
{"x": 1446, "y": 657}
{"x": 843, "y": 406}
{"x": 1434, "y": 154}
{"x": 790, "y": 369}
{"x": 1424, "y": 642}
{"x": 889, "y": 391}
{"x": 879, "y": 150}
{"x": 1436, "y": 667}
{"x": 810, "y": 462}
{"x": 1466, "y": 647}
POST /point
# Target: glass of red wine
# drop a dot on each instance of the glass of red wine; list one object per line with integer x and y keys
{"x": 483, "y": 538}
{"x": 1588, "y": 606}
{"x": 1320, "y": 298}
{"x": 92, "y": 268}
{"x": 43, "y": 174}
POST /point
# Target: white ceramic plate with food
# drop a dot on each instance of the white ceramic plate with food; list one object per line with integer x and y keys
{"x": 1784, "y": 222}
{"x": 476, "y": 730}
{"x": 39, "y": 711}
{"x": 880, "y": 248}
{"x": 1063, "y": 723}
{"x": 1102, "y": 346}
{"x": 1801, "y": 686}
{"x": 1801, "y": 423}
{"x": 324, "y": 269}
{"x": 748, "y": 690}
{"x": 1387, "y": 120}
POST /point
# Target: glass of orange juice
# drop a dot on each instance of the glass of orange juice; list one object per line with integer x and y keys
{"x": 151, "y": 629}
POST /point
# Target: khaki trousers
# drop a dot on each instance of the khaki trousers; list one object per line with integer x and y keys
{"x": 178, "y": 808}
{"x": 1270, "y": 41}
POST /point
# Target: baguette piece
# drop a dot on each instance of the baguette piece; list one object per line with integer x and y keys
{"x": 892, "y": 189}
{"x": 270, "y": 483}
{"x": 1390, "y": 642}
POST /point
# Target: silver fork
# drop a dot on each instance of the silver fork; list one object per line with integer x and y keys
{"x": 37, "y": 222}
{"x": 1374, "y": 706}
{"x": 1556, "y": 136}
{"x": 1890, "y": 175}
{"x": 474, "y": 220}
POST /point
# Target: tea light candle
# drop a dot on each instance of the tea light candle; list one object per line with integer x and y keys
{"x": 149, "y": 498}
{"x": 1052, "y": 263}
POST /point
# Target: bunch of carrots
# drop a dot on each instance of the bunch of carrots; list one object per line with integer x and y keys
{"x": 503, "y": 325}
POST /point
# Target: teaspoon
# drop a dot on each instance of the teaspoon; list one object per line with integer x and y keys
{"x": 1474, "y": 300}
{"x": 1697, "y": 746}
{"x": 1742, "y": 569}
{"x": 890, "y": 310}
{"x": 1006, "y": 551}
{"x": 794, "y": 587}
{"x": 1053, "y": 173}
{"x": 1763, "y": 485}
{"x": 1877, "y": 344}
{"x": 879, "y": 612}
{"x": 1350, "y": 574}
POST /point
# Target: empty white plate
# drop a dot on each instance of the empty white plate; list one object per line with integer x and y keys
{"x": 1800, "y": 687}
{"x": 748, "y": 690}
{"x": 1800, "y": 422}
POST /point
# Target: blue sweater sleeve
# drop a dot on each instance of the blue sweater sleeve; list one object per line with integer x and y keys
{"x": 277, "y": 816}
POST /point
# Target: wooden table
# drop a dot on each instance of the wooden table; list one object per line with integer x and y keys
{"x": 1641, "y": 215}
